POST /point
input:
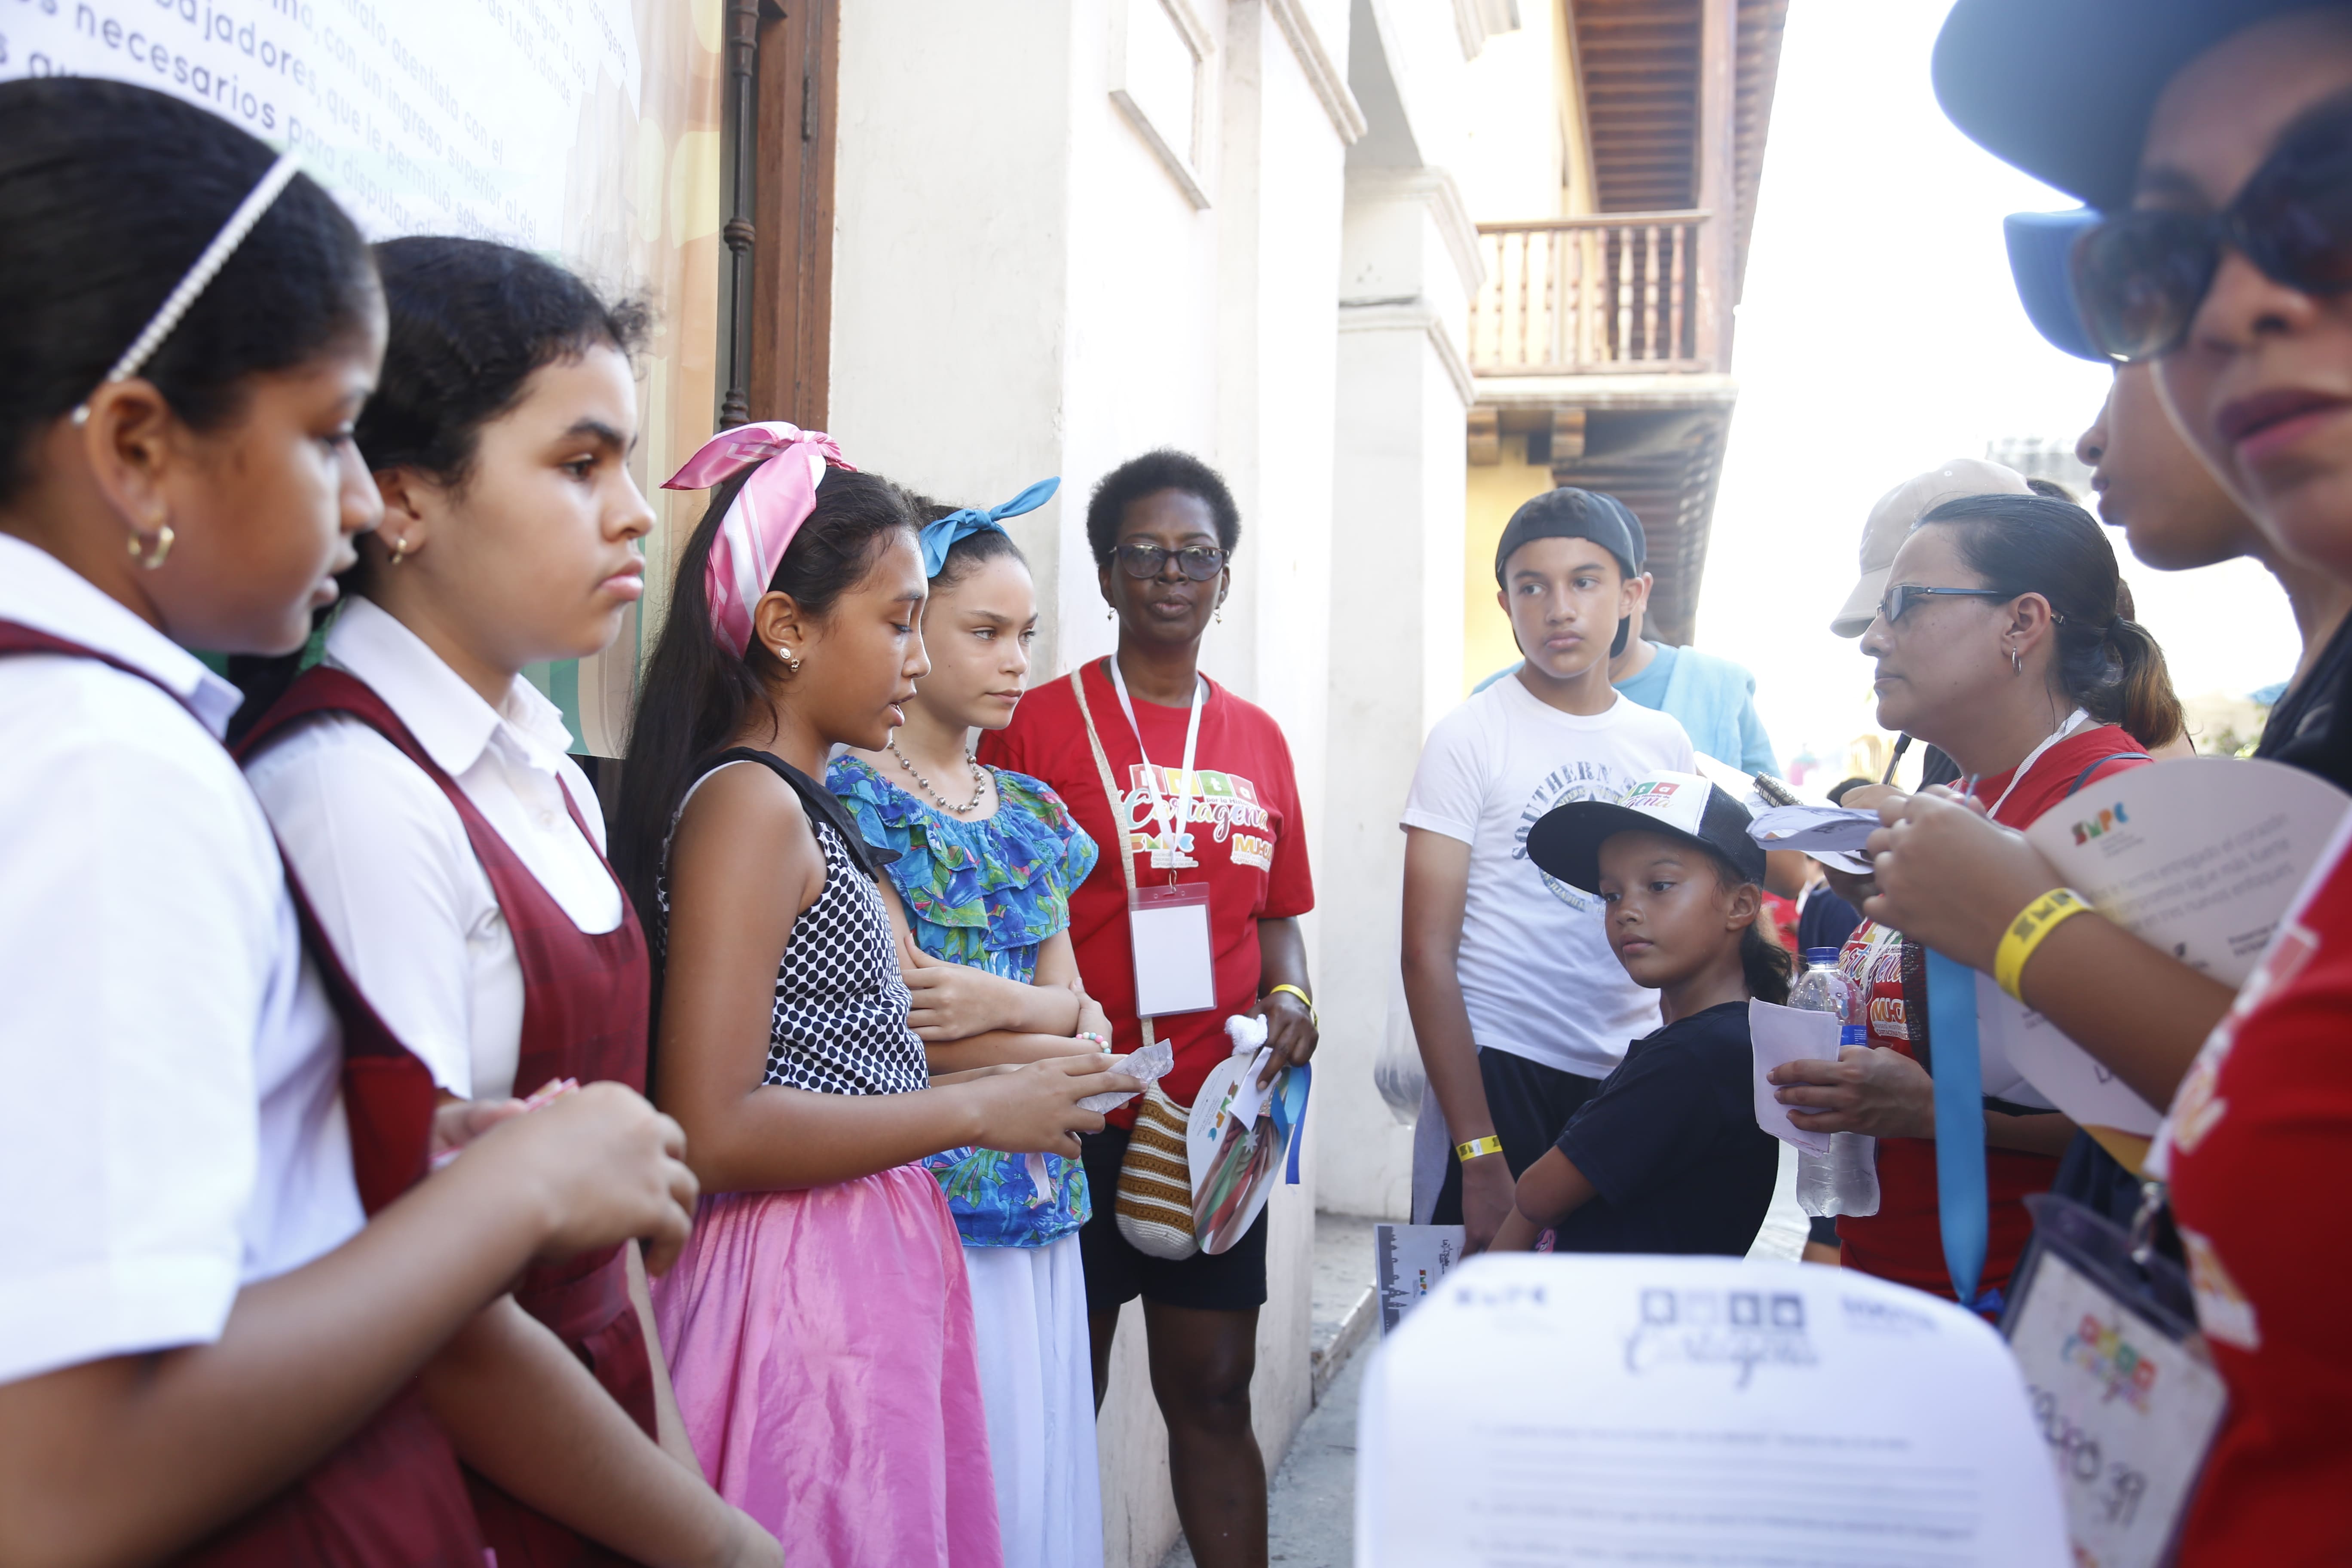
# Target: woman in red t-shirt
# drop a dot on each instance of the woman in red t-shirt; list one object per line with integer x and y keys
{"x": 1163, "y": 527}
{"x": 1999, "y": 641}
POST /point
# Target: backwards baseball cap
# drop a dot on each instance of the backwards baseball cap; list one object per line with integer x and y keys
{"x": 1565, "y": 841}
{"x": 2039, "y": 244}
{"x": 1891, "y": 522}
{"x": 1567, "y": 513}
{"x": 2063, "y": 88}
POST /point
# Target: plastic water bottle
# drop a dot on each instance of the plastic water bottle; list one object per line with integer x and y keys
{"x": 1845, "y": 1179}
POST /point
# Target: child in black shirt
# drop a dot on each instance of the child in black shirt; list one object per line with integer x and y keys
{"x": 1666, "y": 1155}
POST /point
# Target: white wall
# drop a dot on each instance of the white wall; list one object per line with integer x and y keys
{"x": 1396, "y": 647}
{"x": 1515, "y": 156}
{"x": 1023, "y": 287}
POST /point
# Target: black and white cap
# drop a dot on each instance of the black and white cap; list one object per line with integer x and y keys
{"x": 1566, "y": 840}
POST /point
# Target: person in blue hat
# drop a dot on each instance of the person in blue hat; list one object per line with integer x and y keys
{"x": 2215, "y": 138}
{"x": 2174, "y": 512}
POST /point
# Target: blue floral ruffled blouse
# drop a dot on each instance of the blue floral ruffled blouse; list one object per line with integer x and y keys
{"x": 985, "y": 893}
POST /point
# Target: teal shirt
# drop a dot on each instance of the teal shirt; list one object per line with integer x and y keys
{"x": 1713, "y": 698}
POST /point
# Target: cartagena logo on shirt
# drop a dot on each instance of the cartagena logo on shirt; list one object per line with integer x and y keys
{"x": 1226, "y": 804}
{"x": 1569, "y": 782}
{"x": 1887, "y": 1017}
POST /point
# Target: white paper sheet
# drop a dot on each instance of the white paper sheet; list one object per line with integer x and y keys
{"x": 1592, "y": 1410}
{"x": 2199, "y": 856}
{"x": 1814, "y": 829}
{"x": 1779, "y": 1035}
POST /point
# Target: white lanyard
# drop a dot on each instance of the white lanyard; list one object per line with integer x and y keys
{"x": 1171, "y": 819}
{"x": 2031, "y": 757}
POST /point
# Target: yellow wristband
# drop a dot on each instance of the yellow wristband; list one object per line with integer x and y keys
{"x": 2033, "y": 922}
{"x": 1466, "y": 1152}
{"x": 1303, "y": 1000}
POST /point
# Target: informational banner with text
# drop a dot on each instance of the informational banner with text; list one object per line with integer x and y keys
{"x": 422, "y": 116}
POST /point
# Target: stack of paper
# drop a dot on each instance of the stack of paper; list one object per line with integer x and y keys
{"x": 1594, "y": 1410}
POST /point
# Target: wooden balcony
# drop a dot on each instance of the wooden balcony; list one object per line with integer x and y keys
{"x": 1611, "y": 294}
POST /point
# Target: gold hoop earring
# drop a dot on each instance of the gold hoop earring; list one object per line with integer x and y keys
{"x": 151, "y": 556}
{"x": 399, "y": 551}
{"x": 791, "y": 660}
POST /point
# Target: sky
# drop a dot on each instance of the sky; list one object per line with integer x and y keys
{"x": 1878, "y": 336}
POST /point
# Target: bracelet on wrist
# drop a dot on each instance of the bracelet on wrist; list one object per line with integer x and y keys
{"x": 1101, "y": 1042}
{"x": 1303, "y": 1000}
{"x": 2035, "y": 922}
{"x": 1473, "y": 1148}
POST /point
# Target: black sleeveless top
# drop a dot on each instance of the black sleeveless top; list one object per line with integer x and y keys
{"x": 840, "y": 1021}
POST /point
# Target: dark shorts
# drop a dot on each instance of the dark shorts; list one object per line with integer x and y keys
{"x": 1232, "y": 1281}
{"x": 1530, "y": 1104}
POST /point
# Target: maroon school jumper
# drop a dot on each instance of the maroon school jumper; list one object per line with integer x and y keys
{"x": 585, "y": 1012}
{"x": 390, "y": 1496}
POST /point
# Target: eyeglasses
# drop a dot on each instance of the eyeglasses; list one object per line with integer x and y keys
{"x": 2139, "y": 277}
{"x": 1198, "y": 562}
{"x": 1902, "y": 596}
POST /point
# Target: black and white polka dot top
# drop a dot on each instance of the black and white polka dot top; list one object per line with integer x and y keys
{"x": 840, "y": 1020}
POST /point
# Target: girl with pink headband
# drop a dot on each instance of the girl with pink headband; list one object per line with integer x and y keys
{"x": 819, "y": 1328}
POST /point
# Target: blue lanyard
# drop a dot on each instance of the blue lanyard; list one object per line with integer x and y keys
{"x": 1960, "y": 1200}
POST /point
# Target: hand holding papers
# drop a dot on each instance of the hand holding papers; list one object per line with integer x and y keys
{"x": 1588, "y": 1410}
{"x": 2199, "y": 857}
{"x": 1829, "y": 834}
{"x": 1779, "y": 1035}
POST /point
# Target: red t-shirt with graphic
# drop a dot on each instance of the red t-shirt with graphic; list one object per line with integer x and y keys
{"x": 1249, "y": 845}
{"x": 1904, "y": 1241}
{"x": 2260, "y": 1133}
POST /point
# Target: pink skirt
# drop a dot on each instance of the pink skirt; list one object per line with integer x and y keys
{"x": 821, "y": 1343}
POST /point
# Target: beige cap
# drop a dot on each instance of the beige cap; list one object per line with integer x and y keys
{"x": 1891, "y": 520}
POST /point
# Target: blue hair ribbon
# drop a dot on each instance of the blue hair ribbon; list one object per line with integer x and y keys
{"x": 940, "y": 537}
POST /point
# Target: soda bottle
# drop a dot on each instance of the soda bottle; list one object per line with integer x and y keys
{"x": 1845, "y": 1179}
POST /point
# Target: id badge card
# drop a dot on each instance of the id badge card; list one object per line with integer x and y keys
{"x": 2118, "y": 1382}
{"x": 1174, "y": 971}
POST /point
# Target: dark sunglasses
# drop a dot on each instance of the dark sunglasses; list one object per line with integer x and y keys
{"x": 2139, "y": 277}
{"x": 1198, "y": 562}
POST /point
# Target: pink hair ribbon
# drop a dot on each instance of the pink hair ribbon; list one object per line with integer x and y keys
{"x": 761, "y": 519}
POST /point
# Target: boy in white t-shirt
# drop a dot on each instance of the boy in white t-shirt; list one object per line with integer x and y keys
{"x": 1518, "y": 1004}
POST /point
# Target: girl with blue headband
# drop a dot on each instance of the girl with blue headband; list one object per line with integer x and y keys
{"x": 986, "y": 859}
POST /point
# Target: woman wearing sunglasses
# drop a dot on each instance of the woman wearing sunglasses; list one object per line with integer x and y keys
{"x": 1998, "y": 640}
{"x": 1183, "y": 785}
{"x": 2218, "y": 137}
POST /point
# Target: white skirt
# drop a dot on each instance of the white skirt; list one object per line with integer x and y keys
{"x": 1036, "y": 1382}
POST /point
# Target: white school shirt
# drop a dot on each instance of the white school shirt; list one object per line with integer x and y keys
{"x": 1538, "y": 979}
{"x": 170, "y": 1098}
{"x": 386, "y": 862}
